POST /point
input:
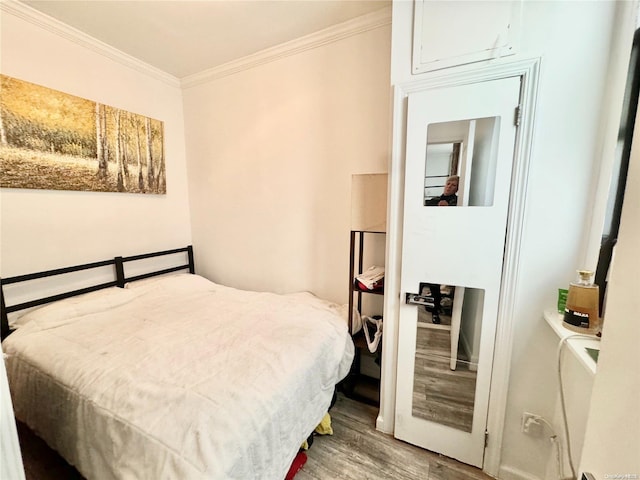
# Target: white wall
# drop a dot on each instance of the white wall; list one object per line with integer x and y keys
{"x": 574, "y": 40}
{"x": 612, "y": 444}
{"x": 43, "y": 229}
{"x": 470, "y": 325}
{"x": 274, "y": 148}
{"x": 566, "y": 156}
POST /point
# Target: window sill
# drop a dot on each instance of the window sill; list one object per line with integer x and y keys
{"x": 577, "y": 346}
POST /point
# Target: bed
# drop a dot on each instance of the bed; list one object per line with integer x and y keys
{"x": 172, "y": 376}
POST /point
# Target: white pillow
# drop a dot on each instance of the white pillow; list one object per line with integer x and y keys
{"x": 179, "y": 282}
{"x": 61, "y": 312}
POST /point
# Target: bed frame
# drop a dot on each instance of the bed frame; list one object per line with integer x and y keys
{"x": 119, "y": 280}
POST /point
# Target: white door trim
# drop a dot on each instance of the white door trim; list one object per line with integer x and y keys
{"x": 528, "y": 69}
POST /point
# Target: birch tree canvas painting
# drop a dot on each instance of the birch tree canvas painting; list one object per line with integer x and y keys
{"x": 56, "y": 141}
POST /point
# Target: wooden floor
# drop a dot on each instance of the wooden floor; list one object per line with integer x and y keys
{"x": 440, "y": 394}
{"x": 40, "y": 462}
{"x": 356, "y": 451}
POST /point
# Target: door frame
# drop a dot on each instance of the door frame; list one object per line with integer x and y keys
{"x": 528, "y": 69}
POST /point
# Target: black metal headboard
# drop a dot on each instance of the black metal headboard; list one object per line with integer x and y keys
{"x": 120, "y": 261}
{"x": 119, "y": 280}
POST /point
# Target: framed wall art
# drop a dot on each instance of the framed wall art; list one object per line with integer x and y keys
{"x": 56, "y": 141}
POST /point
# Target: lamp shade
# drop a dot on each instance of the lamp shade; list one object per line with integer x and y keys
{"x": 369, "y": 202}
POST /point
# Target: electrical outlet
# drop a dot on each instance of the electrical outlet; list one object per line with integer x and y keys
{"x": 530, "y": 423}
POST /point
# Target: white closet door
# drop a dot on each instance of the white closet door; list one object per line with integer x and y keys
{"x": 441, "y": 408}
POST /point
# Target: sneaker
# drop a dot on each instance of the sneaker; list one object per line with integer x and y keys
{"x": 435, "y": 318}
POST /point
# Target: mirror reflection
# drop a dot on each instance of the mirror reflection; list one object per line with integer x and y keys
{"x": 443, "y": 162}
{"x": 466, "y": 150}
{"x": 446, "y": 358}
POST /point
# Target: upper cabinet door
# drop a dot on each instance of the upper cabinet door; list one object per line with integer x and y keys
{"x": 448, "y": 33}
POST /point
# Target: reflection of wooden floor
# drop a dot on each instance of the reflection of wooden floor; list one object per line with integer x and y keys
{"x": 440, "y": 394}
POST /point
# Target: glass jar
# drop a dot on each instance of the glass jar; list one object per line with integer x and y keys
{"x": 581, "y": 313}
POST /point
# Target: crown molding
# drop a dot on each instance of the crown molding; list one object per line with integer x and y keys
{"x": 370, "y": 21}
{"x": 334, "y": 33}
{"x": 33, "y": 16}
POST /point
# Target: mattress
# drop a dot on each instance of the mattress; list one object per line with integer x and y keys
{"x": 178, "y": 378}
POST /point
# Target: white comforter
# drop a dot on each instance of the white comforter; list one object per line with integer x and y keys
{"x": 178, "y": 378}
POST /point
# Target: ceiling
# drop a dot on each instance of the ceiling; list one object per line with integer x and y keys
{"x": 184, "y": 37}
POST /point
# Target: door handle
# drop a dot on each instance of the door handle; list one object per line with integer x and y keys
{"x": 415, "y": 299}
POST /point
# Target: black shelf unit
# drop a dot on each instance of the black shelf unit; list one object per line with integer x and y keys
{"x": 357, "y": 385}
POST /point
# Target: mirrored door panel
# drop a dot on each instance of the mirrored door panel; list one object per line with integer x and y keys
{"x": 443, "y": 376}
{"x": 446, "y": 355}
{"x": 460, "y": 162}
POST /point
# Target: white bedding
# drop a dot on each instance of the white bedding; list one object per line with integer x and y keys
{"x": 178, "y": 378}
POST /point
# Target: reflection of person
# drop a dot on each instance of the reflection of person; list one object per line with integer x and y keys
{"x": 449, "y": 198}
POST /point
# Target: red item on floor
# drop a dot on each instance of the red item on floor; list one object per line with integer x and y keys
{"x": 296, "y": 465}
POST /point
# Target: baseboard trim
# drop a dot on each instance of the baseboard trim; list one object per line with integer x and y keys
{"x": 512, "y": 473}
{"x": 381, "y": 427}
{"x": 472, "y": 359}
